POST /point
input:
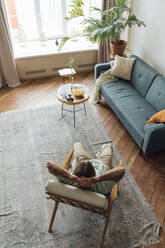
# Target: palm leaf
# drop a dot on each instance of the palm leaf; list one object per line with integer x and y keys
{"x": 71, "y": 62}
{"x": 62, "y": 43}
{"x": 78, "y": 3}
{"x": 77, "y": 9}
{"x": 64, "y": 40}
{"x": 132, "y": 20}
{"x": 96, "y": 9}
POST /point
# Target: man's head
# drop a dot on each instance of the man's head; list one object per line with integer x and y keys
{"x": 85, "y": 169}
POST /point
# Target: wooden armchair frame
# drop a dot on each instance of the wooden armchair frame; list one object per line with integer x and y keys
{"x": 104, "y": 212}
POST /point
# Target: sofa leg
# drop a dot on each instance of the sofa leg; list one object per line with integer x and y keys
{"x": 150, "y": 158}
{"x": 144, "y": 155}
{"x": 141, "y": 152}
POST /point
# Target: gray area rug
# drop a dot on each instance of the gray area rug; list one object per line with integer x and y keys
{"x": 28, "y": 139}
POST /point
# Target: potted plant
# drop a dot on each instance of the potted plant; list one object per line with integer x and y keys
{"x": 107, "y": 24}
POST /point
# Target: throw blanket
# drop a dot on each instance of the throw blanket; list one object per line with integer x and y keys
{"x": 106, "y": 77}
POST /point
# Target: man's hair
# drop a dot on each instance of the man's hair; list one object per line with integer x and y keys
{"x": 85, "y": 169}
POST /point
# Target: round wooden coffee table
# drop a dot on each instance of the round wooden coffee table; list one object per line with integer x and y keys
{"x": 66, "y": 90}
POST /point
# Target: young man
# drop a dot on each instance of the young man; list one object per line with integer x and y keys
{"x": 97, "y": 175}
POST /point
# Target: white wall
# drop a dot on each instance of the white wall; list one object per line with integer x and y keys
{"x": 149, "y": 43}
{"x": 48, "y": 65}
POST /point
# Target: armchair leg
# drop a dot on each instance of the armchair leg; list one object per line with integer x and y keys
{"x": 104, "y": 232}
{"x": 53, "y": 215}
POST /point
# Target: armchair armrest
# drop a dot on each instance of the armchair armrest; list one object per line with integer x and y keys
{"x": 68, "y": 159}
{"x": 154, "y": 139}
{"x": 101, "y": 68}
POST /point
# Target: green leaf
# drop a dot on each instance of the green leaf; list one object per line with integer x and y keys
{"x": 70, "y": 63}
{"x": 65, "y": 40}
{"x": 76, "y": 3}
{"x": 62, "y": 43}
{"x": 77, "y": 9}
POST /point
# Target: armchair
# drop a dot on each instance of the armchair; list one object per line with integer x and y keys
{"x": 80, "y": 198}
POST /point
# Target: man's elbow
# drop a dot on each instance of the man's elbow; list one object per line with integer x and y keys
{"x": 50, "y": 168}
{"x": 48, "y": 165}
{"x": 122, "y": 172}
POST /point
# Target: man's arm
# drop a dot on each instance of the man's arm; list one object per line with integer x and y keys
{"x": 55, "y": 170}
{"x": 115, "y": 175}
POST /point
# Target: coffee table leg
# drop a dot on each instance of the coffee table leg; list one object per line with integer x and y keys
{"x": 74, "y": 119}
{"x": 62, "y": 110}
{"x": 85, "y": 108}
{"x": 63, "y": 79}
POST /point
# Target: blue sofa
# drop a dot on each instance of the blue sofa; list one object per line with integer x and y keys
{"x": 135, "y": 101}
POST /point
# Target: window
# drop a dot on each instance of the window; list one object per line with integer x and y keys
{"x": 42, "y": 20}
{"x": 33, "y": 19}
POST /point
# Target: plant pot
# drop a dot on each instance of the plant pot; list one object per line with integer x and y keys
{"x": 118, "y": 49}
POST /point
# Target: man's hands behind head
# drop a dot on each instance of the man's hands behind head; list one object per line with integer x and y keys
{"x": 84, "y": 182}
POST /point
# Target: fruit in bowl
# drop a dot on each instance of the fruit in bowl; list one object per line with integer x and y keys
{"x": 78, "y": 92}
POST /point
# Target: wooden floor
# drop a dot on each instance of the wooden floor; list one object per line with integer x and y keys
{"x": 148, "y": 173}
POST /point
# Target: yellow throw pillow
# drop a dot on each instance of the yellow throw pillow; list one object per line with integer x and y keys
{"x": 158, "y": 117}
{"x": 122, "y": 67}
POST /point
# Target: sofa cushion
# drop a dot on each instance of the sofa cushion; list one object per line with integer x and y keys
{"x": 129, "y": 106}
{"x": 156, "y": 93}
{"x": 142, "y": 75}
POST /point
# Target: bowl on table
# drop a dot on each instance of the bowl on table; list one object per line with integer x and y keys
{"x": 78, "y": 92}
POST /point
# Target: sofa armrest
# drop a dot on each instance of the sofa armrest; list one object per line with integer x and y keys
{"x": 99, "y": 68}
{"x": 154, "y": 139}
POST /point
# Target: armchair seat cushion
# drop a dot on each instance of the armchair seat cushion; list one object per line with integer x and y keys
{"x": 74, "y": 193}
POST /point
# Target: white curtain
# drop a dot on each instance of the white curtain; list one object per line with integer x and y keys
{"x": 8, "y": 71}
{"x": 104, "y": 48}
